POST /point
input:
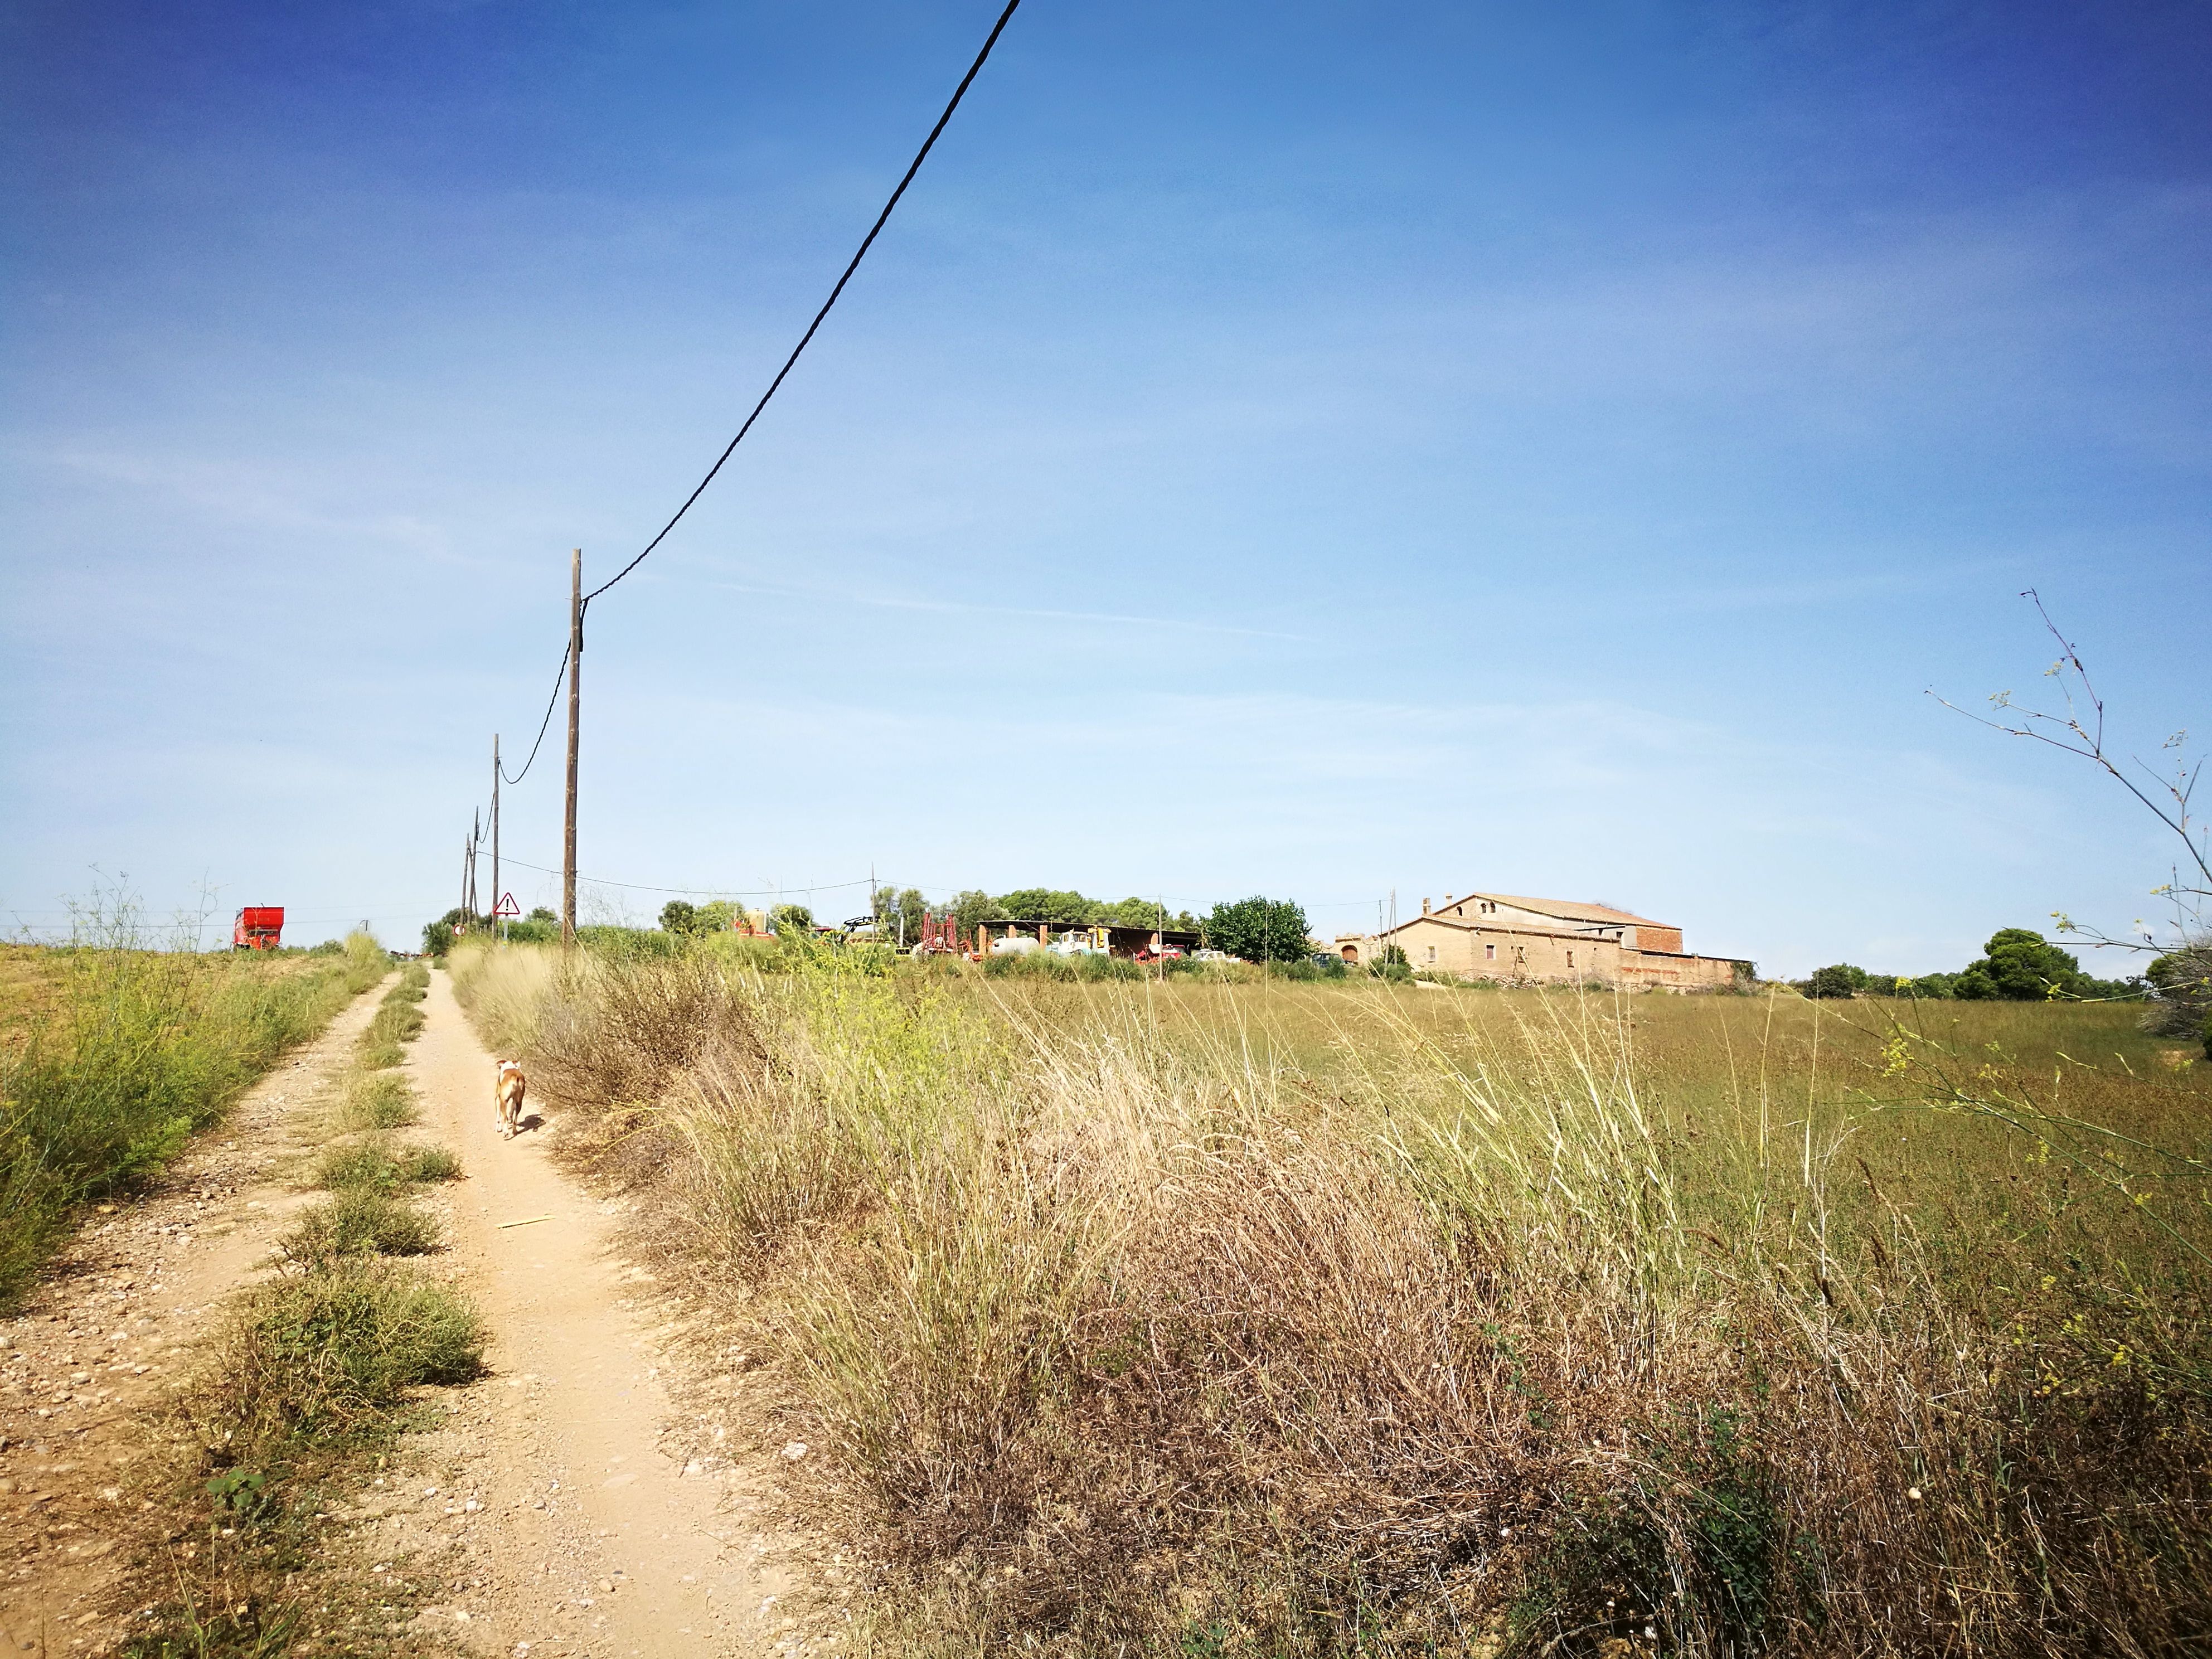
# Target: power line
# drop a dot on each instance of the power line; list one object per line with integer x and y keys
{"x": 545, "y": 724}
{"x": 866, "y": 242}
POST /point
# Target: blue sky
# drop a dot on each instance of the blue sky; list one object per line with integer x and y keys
{"x": 1319, "y": 449}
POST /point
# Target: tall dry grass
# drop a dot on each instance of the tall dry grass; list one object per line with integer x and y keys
{"x": 1309, "y": 1319}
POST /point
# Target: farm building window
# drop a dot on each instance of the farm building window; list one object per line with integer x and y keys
{"x": 1490, "y": 953}
{"x": 1521, "y": 956}
{"x": 1432, "y": 953}
{"x": 1570, "y": 958}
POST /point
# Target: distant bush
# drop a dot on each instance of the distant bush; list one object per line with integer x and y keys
{"x": 1841, "y": 980}
{"x": 679, "y": 916}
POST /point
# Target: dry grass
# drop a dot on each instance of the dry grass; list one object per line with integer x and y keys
{"x": 1307, "y": 1319}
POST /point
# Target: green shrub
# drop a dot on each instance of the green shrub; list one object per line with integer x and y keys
{"x": 328, "y": 1353}
{"x": 362, "y": 1220}
{"x": 387, "y": 1169}
{"x": 397, "y": 1021}
{"x": 366, "y": 1163}
{"x": 420, "y": 1164}
{"x": 377, "y": 1101}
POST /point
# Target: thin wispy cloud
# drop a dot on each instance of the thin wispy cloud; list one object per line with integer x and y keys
{"x": 965, "y": 608}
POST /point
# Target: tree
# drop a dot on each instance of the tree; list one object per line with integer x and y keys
{"x": 539, "y": 912}
{"x": 2019, "y": 965}
{"x": 974, "y": 906}
{"x": 793, "y": 918}
{"x": 1063, "y": 908}
{"x": 2080, "y": 731}
{"x": 898, "y": 913}
{"x": 1259, "y": 929}
{"x": 679, "y": 916}
{"x": 1841, "y": 980}
{"x": 717, "y": 917}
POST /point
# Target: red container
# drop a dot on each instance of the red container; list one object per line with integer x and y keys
{"x": 259, "y": 927}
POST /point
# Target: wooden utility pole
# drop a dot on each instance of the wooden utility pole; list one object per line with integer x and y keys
{"x": 575, "y": 707}
{"x": 494, "y": 834}
{"x": 476, "y": 840}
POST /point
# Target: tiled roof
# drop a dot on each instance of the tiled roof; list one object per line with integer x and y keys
{"x": 1565, "y": 909}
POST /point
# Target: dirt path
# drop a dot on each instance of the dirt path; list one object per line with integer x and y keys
{"x": 598, "y": 1513}
{"x": 110, "y": 1332}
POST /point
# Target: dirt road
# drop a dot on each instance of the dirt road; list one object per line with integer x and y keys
{"x": 609, "y": 1520}
{"x": 113, "y": 1330}
{"x": 602, "y": 1491}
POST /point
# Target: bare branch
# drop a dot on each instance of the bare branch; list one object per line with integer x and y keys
{"x": 2068, "y": 732}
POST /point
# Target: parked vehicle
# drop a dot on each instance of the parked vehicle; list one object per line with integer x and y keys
{"x": 1077, "y": 944}
{"x": 258, "y": 928}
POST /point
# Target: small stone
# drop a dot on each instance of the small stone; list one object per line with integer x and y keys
{"x": 794, "y": 1451}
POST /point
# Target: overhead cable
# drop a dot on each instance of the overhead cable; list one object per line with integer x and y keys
{"x": 545, "y": 724}
{"x": 866, "y": 242}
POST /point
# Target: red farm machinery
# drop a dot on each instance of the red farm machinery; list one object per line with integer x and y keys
{"x": 258, "y": 928}
{"x": 940, "y": 935}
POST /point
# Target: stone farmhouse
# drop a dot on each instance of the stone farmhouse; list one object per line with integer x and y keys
{"x": 1502, "y": 936}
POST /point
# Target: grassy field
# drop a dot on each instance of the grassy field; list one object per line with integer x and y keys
{"x": 111, "y": 1057}
{"x": 1280, "y": 1319}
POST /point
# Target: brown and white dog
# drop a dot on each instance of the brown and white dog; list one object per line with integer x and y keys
{"x": 507, "y": 1092}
